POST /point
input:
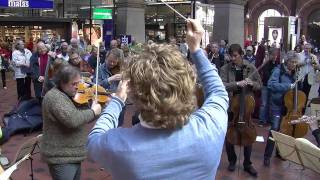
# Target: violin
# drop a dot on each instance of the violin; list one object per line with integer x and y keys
{"x": 294, "y": 101}
{"x": 116, "y": 70}
{"x": 86, "y": 94}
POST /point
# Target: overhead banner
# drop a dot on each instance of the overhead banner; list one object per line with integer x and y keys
{"x": 43, "y": 4}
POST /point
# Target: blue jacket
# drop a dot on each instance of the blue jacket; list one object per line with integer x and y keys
{"x": 104, "y": 74}
{"x": 279, "y": 83}
{"x": 192, "y": 152}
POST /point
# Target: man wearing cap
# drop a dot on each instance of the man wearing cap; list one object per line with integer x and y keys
{"x": 249, "y": 55}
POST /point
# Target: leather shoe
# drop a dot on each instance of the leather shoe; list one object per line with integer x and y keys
{"x": 232, "y": 167}
{"x": 266, "y": 162}
{"x": 250, "y": 169}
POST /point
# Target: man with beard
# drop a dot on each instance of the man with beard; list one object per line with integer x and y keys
{"x": 109, "y": 71}
{"x": 64, "y": 135}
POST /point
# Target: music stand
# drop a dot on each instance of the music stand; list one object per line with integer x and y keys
{"x": 28, "y": 147}
{"x": 300, "y": 151}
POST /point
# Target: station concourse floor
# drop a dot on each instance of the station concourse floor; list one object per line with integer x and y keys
{"x": 90, "y": 171}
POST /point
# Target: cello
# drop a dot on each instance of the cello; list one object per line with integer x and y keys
{"x": 241, "y": 130}
{"x": 294, "y": 101}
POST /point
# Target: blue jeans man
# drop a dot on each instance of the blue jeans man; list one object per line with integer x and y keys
{"x": 276, "y": 112}
{"x": 264, "y": 107}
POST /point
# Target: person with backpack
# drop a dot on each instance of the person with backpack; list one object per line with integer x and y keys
{"x": 281, "y": 80}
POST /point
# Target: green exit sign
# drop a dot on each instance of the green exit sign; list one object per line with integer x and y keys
{"x": 99, "y": 13}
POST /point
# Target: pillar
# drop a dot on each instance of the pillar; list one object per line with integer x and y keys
{"x": 130, "y": 19}
{"x": 229, "y": 21}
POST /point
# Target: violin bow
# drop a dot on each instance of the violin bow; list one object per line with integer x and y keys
{"x": 258, "y": 69}
{"x": 97, "y": 73}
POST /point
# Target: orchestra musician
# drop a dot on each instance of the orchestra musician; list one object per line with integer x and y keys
{"x": 235, "y": 76}
{"x": 313, "y": 124}
{"x": 109, "y": 74}
{"x": 307, "y": 62}
{"x": 64, "y": 135}
{"x": 282, "y": 79}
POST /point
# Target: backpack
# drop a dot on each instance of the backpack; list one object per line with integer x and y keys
{"x": 26, "y": 117}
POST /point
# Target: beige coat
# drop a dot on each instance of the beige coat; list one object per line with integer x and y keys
{"x": 227, "y": 74}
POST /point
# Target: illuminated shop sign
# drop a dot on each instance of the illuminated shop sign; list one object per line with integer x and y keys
{"x": 45, "y": 4}
{"x": 99, "y": 13}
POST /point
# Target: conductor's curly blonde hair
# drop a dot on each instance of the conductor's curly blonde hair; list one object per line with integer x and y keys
{"x": 162, "y": 83}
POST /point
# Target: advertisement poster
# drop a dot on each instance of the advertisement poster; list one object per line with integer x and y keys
{"x": 96, "y": 34}
{"x": 275, "y": 36}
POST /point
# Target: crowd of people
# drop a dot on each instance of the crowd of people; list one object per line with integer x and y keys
{"x": 176, "y": 137}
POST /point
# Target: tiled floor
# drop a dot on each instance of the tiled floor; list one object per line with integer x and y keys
{"x": 90, "y": 171}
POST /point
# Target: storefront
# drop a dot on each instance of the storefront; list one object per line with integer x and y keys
{"x": 162, "y": 22}
{"x": 35, "y": 28}
{"x": 31, "y": 20}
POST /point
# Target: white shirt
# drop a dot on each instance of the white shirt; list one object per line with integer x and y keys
{"x": 19, "y": 59}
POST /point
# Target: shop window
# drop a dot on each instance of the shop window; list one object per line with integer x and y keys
{"x": 266, "y": 13}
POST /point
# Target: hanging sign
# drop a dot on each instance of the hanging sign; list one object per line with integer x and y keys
{"x": 43, "y": 4}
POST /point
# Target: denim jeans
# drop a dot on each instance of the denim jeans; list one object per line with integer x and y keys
{"x": 264, "y": 107}
{"x": 275, "y": 125}
{"x": 65, "y": 171}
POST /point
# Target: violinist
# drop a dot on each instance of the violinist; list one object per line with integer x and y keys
{"x": 281, "y": 80}
{"x": 64, "y": 133}
{"x": 313, "y": 122}
{"x": 109, "y": 71}
{"x": 213, "y": 55}
{"x": 109, "y": 74}
{"x": 235, "y": 76}
{"x": 307, "y": 62}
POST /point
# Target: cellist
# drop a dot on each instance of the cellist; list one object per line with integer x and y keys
{"x": 281, "y": 80}
{"x": 235, "y": 76}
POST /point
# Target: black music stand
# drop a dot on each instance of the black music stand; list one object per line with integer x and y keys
{"x": 28, "y": 148}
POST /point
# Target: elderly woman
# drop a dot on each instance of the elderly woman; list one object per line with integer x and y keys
{"x": 21, "y": 62}
{"x": 38, "y": 63}
{"x": 281, "y": 80}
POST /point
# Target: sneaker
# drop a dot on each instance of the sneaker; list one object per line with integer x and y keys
{"x": 5, "y": 87}
{"x": 250, "y": 169}
{"x": 266, "y": 162}
{"x": 232, "y": 167}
